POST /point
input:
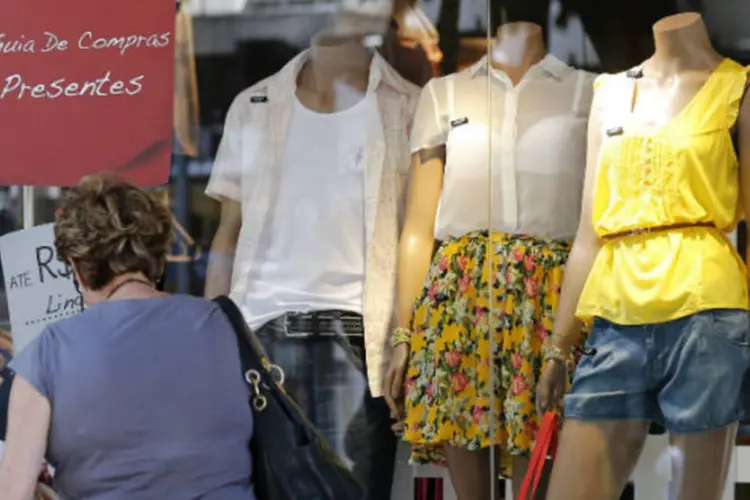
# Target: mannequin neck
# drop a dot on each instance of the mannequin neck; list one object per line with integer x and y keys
{"x": 518, "y": 47}
{"x": 336, "y": 58}
{"x": 682, "y": 43}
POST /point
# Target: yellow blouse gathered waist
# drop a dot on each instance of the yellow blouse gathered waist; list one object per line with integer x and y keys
{"x": 664, "y": 275}
{"x": 663, "y": 202}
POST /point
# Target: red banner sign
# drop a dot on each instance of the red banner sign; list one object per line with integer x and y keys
{"x": 85, "y": 86}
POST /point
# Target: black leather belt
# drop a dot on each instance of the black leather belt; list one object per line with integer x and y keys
{"x": 306, "y": 324}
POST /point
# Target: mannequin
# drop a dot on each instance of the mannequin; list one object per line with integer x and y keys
{"x": 332, "y": 58}
{"x": 686, "y": 85}
{"x": 310, "y": 175}
{"x": 447, "y": 172}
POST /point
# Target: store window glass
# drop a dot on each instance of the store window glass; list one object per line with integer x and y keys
{"x": 390, "y": 191}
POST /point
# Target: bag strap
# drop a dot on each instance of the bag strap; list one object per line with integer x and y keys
{"x": 248, "y": 344}
{"x": 259, "y": 373}
{"x": 546, "y": 444}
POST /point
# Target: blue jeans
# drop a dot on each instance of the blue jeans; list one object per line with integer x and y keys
{"x": 327, "y": 377}
{"x": 686, "y": 374}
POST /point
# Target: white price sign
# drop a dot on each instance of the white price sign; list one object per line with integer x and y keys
{"x": 39, "y": 287}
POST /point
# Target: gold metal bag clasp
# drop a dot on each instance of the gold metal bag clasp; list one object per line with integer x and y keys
{"x": 253, "y": 378}
{"x": 260, "y": 402}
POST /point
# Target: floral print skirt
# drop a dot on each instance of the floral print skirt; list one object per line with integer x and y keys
{"x": 478, "y": 326}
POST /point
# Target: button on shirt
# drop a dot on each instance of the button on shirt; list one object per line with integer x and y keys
{"x": 247, "y": 170}
{"x": 515, "y": 156}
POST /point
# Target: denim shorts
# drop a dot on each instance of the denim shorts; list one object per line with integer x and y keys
{"x": 686, "y": 375}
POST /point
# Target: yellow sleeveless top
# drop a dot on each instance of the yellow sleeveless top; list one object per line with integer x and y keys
{"x": 686, "y": 172}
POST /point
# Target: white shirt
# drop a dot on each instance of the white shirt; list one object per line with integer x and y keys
{"x": 313, "y": 255}
{"x": 247, "y": 169}
{"x": 515, "y": 159}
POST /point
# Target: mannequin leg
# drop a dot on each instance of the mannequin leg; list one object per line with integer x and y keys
{"x": 471, "y": 474}
{"x": 596, "y": 458}
{"x": 703, "y": 463}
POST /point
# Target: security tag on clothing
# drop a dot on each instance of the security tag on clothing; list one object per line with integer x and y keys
{"x": 615, "y": 131}
{"x": 459, "y": 121}
{"x": 635, "y": 73}
{"x": 258, "y": 99}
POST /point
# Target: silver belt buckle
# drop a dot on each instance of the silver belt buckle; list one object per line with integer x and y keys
{"x": 287, "y": 333}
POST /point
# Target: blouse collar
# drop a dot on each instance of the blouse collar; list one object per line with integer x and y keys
{"x": 549, "y": 65}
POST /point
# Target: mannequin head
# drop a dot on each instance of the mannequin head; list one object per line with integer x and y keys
{"x": 683, "y": 40}
{"x": 517, "y": 44}
{"x": 677, "y": 22}
{"x": 364, "y": 16}
{"x": 339, "y": 53}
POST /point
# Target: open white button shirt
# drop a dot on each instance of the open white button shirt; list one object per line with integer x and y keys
{"x": 247, "y": 167}
{"x": 515, "y": 156}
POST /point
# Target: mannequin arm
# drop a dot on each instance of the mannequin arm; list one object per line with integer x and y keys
{"x": 586, "y": 246}
{"x": 743, "y": 146}
{"x": 417, "y": 238}
{"x": 221, "y": 258}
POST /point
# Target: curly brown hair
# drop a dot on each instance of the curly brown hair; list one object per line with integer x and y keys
{"x": 108, "y": 227}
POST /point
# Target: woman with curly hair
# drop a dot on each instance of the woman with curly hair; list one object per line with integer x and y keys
{"x": 140, "y": 396}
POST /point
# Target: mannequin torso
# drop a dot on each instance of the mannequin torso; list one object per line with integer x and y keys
{"x": 665, "y": 85}
{"x": 336, "y": 62}
{"x": 519, "y": 46}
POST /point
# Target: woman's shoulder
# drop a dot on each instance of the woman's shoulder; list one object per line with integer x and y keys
{"x": 173, "y": 309}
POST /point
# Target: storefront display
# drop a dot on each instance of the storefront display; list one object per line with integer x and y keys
{"x": 399, "y": 185}
{"x": 311, "y": 173}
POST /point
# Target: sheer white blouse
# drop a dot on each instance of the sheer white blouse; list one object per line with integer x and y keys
{"x": 515, "y": 156}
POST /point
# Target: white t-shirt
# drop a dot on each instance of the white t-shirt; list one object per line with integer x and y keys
{"x": 313, "y": 249}
{"x": 515, "y": 156}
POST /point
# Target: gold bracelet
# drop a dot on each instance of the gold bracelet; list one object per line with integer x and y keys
{"x": 552, "y": 352}
{"x": 400, "y": 336}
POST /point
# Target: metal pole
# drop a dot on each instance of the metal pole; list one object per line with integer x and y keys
{"x": 28, "y": 207}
